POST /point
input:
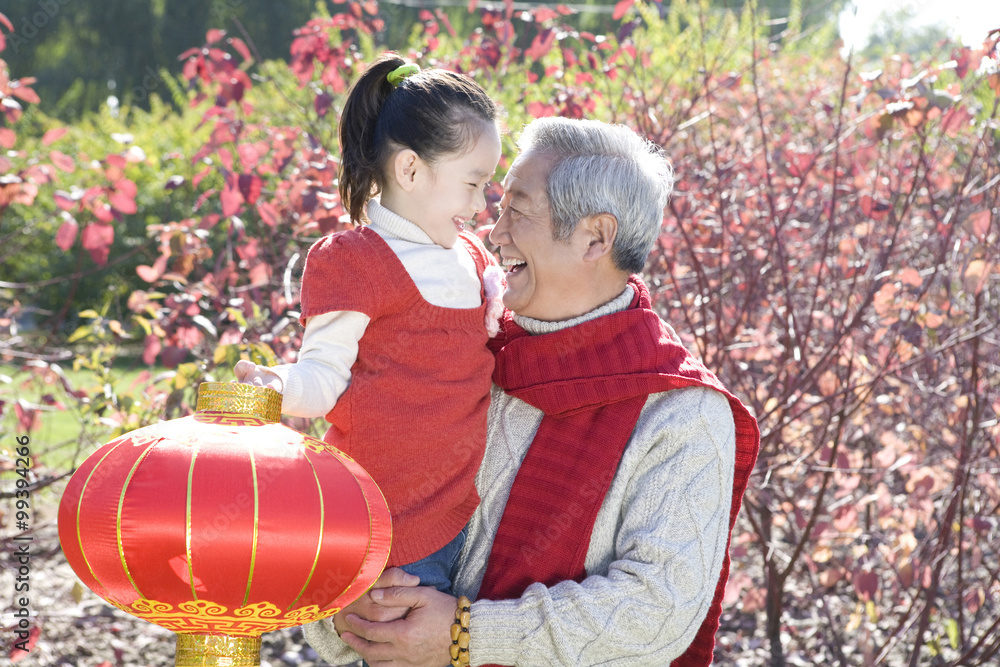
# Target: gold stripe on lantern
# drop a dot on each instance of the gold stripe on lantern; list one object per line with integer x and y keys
{"x": 187, "y": 522}
{"x": 118, "y": 517}
{"x": 319, "y": 542}
{"x": 256, "y": 525}
{"x": 79, "y": 506}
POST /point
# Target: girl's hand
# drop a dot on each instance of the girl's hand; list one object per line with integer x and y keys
{"x": 248, "y": 372}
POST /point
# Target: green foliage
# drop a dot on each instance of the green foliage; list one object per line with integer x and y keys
{"x": 83, "y": 51}
{"x": 157, "y": 143}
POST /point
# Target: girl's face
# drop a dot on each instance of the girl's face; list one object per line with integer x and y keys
{"x": 448, "y": 193}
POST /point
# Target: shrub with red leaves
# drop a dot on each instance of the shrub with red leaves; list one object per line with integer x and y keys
{"x": 832, "y": 250}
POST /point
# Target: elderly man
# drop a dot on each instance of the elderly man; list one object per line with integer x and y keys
{"x": 615, "y": 462}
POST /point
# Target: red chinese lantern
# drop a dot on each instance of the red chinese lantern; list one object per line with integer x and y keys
{"x": 224, "y": 525}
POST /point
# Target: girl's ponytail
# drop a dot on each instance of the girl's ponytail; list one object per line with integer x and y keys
{"x": 360, "y": 154}
{"x": 433, "y": 112}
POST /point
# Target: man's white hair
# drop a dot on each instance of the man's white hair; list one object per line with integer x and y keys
{"x": 603, "y": 168}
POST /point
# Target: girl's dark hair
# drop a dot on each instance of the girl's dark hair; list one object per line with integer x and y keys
{"x": 433, "y": 112}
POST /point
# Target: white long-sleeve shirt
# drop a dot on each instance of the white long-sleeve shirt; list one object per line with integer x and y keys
{"x": 445, "y": 277}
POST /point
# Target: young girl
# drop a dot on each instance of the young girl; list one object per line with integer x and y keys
{"x": 397, "y": 312}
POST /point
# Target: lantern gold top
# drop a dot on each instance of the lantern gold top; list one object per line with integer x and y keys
{"x": 239, "y": 398}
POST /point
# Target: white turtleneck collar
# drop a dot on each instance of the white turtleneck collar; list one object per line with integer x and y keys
{"x": 389, "y": 224}
{"x": 618, "y": 304}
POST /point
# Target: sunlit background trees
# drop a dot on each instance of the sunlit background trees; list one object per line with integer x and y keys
{"x": 831, "y": 250}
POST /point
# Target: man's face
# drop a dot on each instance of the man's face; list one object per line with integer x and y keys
{"x": 542, "y": 273}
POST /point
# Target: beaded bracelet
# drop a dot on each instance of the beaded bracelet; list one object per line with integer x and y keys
{"x": 460, "y": 633}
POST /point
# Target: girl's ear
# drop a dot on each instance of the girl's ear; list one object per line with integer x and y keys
{"x": 404, "y": 168}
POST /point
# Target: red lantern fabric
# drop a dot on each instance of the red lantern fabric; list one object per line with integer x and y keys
{"x": 224, "y": 523}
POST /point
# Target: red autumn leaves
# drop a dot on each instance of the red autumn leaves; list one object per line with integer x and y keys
{"x": 106, "y": 203}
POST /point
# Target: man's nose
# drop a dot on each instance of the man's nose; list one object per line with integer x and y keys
{"x": 498, "y": 235}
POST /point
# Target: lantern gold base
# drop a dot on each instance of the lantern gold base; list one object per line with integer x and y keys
{"x": 197, "y": 650}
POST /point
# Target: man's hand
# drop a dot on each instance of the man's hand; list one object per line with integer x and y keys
{"x": 421, "y": 639}
{"x": 366, "y": 608}
{"x": 248, "y": 372}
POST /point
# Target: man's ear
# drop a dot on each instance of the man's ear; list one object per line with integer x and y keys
{"x": 599, "y": 231}
{"x": 404, "y": 168}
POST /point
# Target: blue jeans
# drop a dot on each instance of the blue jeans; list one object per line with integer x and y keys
{"x": 438, "y": 569}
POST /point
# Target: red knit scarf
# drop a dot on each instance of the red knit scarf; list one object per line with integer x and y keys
{"x": 591, "y": 381}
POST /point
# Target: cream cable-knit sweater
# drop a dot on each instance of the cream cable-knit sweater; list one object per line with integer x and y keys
{"x": 655, "y": 552}
{"x": 445, "y": 277}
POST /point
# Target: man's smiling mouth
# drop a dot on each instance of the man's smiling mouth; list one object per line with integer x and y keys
{"x": 513, "y": 265}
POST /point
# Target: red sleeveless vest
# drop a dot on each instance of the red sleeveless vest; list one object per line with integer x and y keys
{"x": 414, "y": 415}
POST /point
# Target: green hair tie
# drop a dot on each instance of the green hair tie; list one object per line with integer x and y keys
{"x": 397, "y": 75}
